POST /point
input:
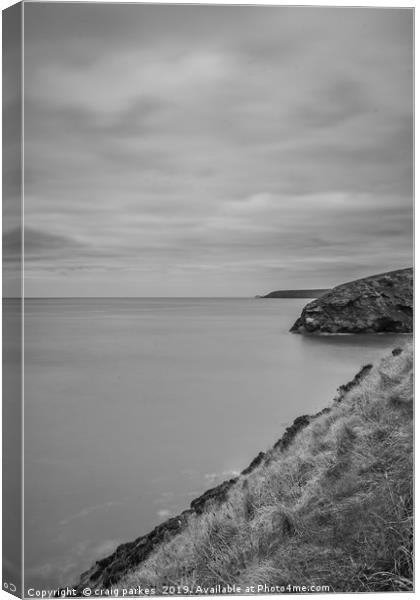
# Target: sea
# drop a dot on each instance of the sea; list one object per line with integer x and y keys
{"x": 135, "y": 406}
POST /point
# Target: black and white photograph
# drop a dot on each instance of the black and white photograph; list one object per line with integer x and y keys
{"x": 207, "y": 299}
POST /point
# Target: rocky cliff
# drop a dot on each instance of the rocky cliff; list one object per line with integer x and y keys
{"x": 296, "y": 293}
{"x": 109, "y": 570}
{"x": 380, "y": 303}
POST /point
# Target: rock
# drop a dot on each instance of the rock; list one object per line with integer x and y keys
{"x": 345, "y": 388}
{"x": 257, "y": 460}
{"x": 396, "y": 351}
{"x": 217, "y": 494}
{"x": 290, "y": 433}
{"x": 380, "y": 303}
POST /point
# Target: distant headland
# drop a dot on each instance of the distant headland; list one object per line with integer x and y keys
{"x": 296, "y": 293}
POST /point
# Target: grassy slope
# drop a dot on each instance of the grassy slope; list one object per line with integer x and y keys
{"x": 334, "y": 508}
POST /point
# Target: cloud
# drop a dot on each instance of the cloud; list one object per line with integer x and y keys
{"x": 174, "y": 142}
{"x": 86, "y": 512}
{"x": 37, "y": 244}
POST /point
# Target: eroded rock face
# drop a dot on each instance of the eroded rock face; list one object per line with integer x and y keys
{"x": 381, "y": 303}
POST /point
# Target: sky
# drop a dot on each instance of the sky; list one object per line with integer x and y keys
{"x": 214, "y": 151}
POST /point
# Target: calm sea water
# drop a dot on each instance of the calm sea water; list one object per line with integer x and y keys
{"x": 135, "y": 406}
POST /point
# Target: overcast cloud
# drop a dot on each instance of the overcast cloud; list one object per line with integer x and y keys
{"x": 211, "y": 151}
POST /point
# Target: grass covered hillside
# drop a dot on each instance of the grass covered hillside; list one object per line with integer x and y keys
{"x": 333, "y": 506}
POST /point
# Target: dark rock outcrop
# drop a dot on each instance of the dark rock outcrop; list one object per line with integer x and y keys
{"x": 345, "y": 388}
{"x": 381, "y": 303}
{"x": 217, "y": 495}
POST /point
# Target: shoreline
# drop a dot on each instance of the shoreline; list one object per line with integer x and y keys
{"x": 109, "y": 570}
